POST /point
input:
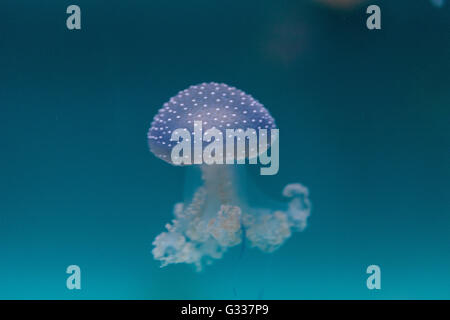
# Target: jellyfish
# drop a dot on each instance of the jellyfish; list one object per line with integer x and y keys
{"x": 216, "y": 216}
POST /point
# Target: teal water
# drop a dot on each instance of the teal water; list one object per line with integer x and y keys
{"x": 364, "y": 122}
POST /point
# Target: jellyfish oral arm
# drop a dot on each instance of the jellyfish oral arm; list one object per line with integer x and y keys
{"x": 212, "y": 153}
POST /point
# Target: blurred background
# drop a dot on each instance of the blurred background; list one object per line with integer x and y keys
{"x": 364, "y": 117}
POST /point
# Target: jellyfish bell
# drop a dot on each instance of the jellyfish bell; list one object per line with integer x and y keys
{"x": 233, "y": 124}
{"x": 216, "y": 216}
